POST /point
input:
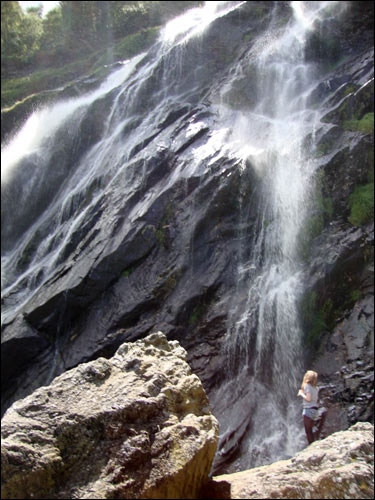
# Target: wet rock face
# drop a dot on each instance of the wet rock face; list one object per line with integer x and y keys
{"x": 340, "y": 466}
{"x": 340, "y": 269}
{"x": 157, "y": 228}
{"x": 345, "y": 364}
{"x": 135, "y": 426}
{"x": 159, "y": 248}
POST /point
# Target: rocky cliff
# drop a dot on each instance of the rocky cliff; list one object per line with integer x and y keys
{"x": 135, "y": 426}
{"x": 137, "y": 216}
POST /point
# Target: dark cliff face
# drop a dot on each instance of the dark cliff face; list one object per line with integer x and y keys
{"x": 156, "y": 245}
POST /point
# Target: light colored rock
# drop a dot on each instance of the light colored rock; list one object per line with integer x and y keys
{"x": 340, "y": 466}
{"x": 135, "y": 426}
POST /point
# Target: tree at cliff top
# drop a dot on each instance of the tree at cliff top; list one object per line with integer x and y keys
{"x": 20, "y": 34}
{"x": 73, "y": 29}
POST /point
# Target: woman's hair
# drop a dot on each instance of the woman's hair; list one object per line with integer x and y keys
{"x": 310, "y": 377}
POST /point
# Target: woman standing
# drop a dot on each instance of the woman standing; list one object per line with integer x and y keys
{"x": 309, "y": 393}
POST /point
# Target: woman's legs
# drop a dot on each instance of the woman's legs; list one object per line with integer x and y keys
{"x": 309, "y": 424}
{"x": 319, "y": 422}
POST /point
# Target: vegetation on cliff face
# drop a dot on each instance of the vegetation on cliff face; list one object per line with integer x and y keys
{"x": 362, "y": 204}
{"x": 75, "y": 38}
{"x": 177, "y": 264}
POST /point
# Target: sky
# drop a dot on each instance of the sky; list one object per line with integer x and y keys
{"x": 46, "y": 5}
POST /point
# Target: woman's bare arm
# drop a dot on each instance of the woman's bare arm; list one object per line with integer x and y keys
{"x": 306, "y": 396}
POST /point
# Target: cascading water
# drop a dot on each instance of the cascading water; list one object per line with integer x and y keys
{"x": 73, "y": 170}
{"x": 24, "y": 163}
{"x": 28, "y": 156}
{"x": 67, "y": 179}
{"x": 263, "y": 345}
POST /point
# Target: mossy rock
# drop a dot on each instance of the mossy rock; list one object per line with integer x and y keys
{"x": 362, "y": 204}
{"x": 320, "y": 309}
{"x": 353, "y": 108}
{"x": 365, "y": 124}
{"x": 197, "y": 314}
{"x": 17, "y": 89}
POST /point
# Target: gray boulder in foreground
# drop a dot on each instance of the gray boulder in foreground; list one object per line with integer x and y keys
{"x": 340, "y": 466}
{"x": 137, "y": 425}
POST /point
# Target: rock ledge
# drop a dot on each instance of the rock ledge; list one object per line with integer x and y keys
{"x": 340, "y": 466}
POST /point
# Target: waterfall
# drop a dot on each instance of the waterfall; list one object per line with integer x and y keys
{"x": 25, "y": 174}
{"x": 263, "y": 343}
{"x": 28, "y": 158}
{"x": 84, "y": 193}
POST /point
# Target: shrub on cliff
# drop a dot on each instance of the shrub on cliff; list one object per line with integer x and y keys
{"x": 362, "y": 204}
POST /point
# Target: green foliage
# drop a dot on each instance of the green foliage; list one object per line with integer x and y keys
{"x": 17, "y": 89}
{"x": 52, "y": 39}
{"x": 361, "y": 202}
{"x": 11, "y": 18}
{"x": 20, "y": 34}
{"x": 129, "y": 270}
{"x": 160, "y": 236}
{"x": 315, "y": 224}
{"x": 355, "y": 295}
{"x": 317, "y": 317}
{"x": 349, "y": 89}
{"x": 80, "y": 33}
{"x": 325, "y": 205}
{"x": 365, "y": 124}
{"x": 197, "y": 313}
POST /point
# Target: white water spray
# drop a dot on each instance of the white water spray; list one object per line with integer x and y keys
{"x": 43, "y": 123}
{"x": 263, "y": 344}
{"x": 105, "y": 162}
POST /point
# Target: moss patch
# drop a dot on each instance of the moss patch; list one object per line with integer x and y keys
{"x": 355, "y": 295}
{"x": 361, "y": 203}
{"x": 128, "y": 271}
{"x": 16, "y": 89}
{"x": 320, "y": 310}
{"x": 365, "y": 124}
{"x": 197, "y": 313}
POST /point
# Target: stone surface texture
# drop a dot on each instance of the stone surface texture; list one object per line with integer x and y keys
{"x": 340, "y": 466}
{"x": 135, "y": 426}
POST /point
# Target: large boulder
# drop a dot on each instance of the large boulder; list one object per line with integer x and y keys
{"x": 135, "y": 426}
{"x": 340, "y": 466}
